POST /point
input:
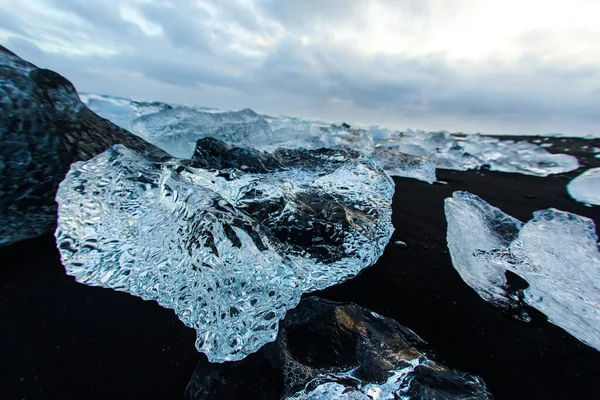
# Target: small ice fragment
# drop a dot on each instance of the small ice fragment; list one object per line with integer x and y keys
{"x": 585, "y": 188}
{"x": 556, "y": 253}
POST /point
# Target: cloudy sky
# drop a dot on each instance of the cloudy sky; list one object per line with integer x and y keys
{"x": 510, "y": 66}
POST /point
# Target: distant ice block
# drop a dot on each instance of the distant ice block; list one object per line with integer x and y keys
{"x": 585, "y": 188}
{"x": 229, "y": 240}
{"x": 464, "y": 152}
{"x": 175, "y": 129}
{"x": 400, "y": 164}
{"x": 556, "y": 253}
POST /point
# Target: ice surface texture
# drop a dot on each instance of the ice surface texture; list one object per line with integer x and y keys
{"x": 463, "y": 152}
{"x": 43, "y": 129}
{"x": 229, "y": 240}
{"x": 586, "y": 187}
{"x": 176, "y": 129}
{"x": 556, "y": 253}
{"x": 328, "y": 350}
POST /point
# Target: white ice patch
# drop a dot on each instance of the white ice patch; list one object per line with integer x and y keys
{"x": 556, "y": 253}
{"x": 585, "y": 188}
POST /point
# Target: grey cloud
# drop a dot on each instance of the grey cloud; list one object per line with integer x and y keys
{"x": 308, "y": 15}
{"x": 12, "y": 23}
{"x": 302, "y": 14}
{"x": 192, "y": 57}
{"x": 183, "y": 26}
{"x": 102, "y": 14}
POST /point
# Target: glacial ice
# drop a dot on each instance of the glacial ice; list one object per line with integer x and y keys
{"x": 556, "y": 253}
{"x": 230, "y": 239}
{"x": 328, "y": 350}
{"x": 585, "y": 188}
{"x": 176, "y": 128}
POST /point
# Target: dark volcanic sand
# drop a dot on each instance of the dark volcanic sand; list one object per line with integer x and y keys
{"x": 63, "y": 340}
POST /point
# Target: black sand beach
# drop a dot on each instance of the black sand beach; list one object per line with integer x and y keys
{"x": 63, "y": 340}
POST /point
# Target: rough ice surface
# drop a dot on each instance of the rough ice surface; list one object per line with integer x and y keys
{"x": 229, "y": 240}
{"x": 585, "y": 188}
{"x": 556, "y": 253}
{"x": 400, "y": 164}
{"x": 43, "y": 129}
{"x": 331, "y": 207}
{"x": 328, "y": 350}
{"x": 464, "y": 152}
{"x": 176, "y": 129}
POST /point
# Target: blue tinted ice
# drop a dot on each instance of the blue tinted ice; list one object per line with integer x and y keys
{"x": 229, "y": 240}
{"x": 556, "y": 253}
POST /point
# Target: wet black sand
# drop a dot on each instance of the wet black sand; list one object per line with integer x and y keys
{"x": 63, "y": 340}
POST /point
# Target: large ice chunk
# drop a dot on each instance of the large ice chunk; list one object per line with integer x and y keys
{"x": 177, "y": 129}
{"x": 328, "y": 350}
{"x": 228, "y": 241}
{"x": 586, "y": 187}
{"x": 556, "y": 253}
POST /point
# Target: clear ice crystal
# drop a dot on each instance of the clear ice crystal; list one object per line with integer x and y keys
{"x": 556, "y": 253}
{"x": 331, "y": 207}
{"x": 228, "y": 242}
{"x": 585, "y": 188}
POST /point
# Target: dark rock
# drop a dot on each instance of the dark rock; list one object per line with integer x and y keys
{"x": 323, "y": 342}
{"x": 43, "y": 129}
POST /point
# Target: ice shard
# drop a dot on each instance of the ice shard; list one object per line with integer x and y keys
{"x": 476, "y": 231}
{"x": 43, "y": 129}
{"x": 328, "y": 350}
{"x": 585, "y": 188}
{"x": 556, "y": 253}
{"x": 228, "y": 240}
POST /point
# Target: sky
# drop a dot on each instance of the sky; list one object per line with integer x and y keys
{"x": 498, "y": 67}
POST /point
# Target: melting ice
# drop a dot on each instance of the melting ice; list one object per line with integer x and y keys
{"x": 228, "y": 240}
{"x": 556, "y": 253}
